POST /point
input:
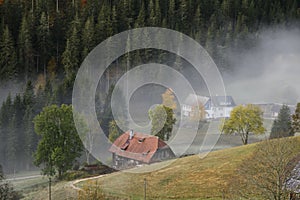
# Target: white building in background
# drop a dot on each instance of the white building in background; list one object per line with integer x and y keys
{"x": 219, "y": 106}
{"x": 271, "y": 110}
{"x": 215, "y": 106}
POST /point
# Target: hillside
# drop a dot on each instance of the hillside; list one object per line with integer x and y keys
{"x": 184, "y": 178}
{"x": 43, "y": 44}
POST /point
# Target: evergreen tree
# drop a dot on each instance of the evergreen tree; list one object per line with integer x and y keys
{"x": 30, "y": 138}
{"x": 106, "y": 115}
{"x": 5, "y": 117}
{"x": 124, "y": 19}
{"x": 101, "y": 26}
{"x": 8, "y": 57}
{"x": 210, "y": 38}
{"x": 184, "y": 16}
{"x": 158, "y": 18}
{"x": 71, "y": 55}
{"x": 28, "y": 96}
{"x": 171, "y": 14}
{"x": 17, "y": 129}
{"x": 198, "y": 23}
{"x": 282, "y": 125}
{"x": 114, "y": 21}
{"x": 296, "y": 119}
{"x": 88, "y": 36}
{"x": 43, "y": 37}
{"x": 25, "y": 48}
{"x": 152, "y": 18}
{"x": 1, "y": 173}
{"x": 11, "y": 147}
{"x": 140, "y": 22}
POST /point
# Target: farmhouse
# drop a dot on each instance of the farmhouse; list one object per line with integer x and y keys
{"x": 133, "y": 148}
{"x": 293, "y": 183}
{"x": 219, "y": 106}
{"x": 214, "y": 106}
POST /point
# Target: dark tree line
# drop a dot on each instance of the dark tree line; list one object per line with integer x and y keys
{"x": 36, "y": 37}
{"x": 18, "y": 140}
{"x": 43, "y": 44}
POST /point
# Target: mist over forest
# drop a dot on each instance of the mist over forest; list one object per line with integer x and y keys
{"x": 267, "y": 72}
{"x": 255, "y": 45}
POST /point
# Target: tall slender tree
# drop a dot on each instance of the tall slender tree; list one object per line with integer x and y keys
{"x": 43, "y": 37}
{"x": 88, "y": 36}
{"x": 8, "y": 57}
{"x": 71, "y": 55}
{"x": 25, "y": 48}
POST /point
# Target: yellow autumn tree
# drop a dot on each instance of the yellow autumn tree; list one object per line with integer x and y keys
{"x": 198, "y": 112}
{"x": 51, "y": 69}
{"x": 40, "y": 83}
{"x": 168, "y": 99}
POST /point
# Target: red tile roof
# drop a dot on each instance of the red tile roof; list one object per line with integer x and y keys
{"x": 141, "y": 147}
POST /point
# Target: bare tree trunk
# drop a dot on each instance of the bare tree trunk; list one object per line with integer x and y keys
{"x": 246, "y": 138}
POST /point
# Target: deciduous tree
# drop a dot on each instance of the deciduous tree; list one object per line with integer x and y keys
{"x": 162, "y": 119}
{"x": 243, "y": 121}
{"x": 114, "y": 131}
{"x": 264, "y": 174}
{"x": 60, "y": 144}
{"x": 168, "y": 99}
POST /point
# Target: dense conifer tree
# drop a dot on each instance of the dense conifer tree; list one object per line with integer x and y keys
{"x": 282, "y": 126}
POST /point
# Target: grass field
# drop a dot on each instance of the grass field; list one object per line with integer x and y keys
{"x": 185, "y": 178}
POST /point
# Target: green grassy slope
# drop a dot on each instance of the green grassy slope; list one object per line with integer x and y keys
{"x": 186, "y": 178}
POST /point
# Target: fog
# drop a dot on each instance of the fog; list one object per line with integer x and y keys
{"x": 269, "y": 72}
{"x": 9, "y": 87}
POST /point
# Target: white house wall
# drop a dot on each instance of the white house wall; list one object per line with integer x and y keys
{"x": 218, "y": 112}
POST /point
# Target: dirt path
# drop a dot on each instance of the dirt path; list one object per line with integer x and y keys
{"x": 73, "y": 183}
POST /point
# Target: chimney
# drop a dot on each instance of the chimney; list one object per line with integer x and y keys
{"x": 131, "y": 134}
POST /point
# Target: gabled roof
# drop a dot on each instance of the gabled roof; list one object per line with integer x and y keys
{"x": 293, "y": 184}
{"x": 141, "y": 147}
{"x": 222, "y": 101}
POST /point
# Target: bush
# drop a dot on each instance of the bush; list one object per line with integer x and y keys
{"x": 72, "y": 175}
{"x": 7, "y": 192}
